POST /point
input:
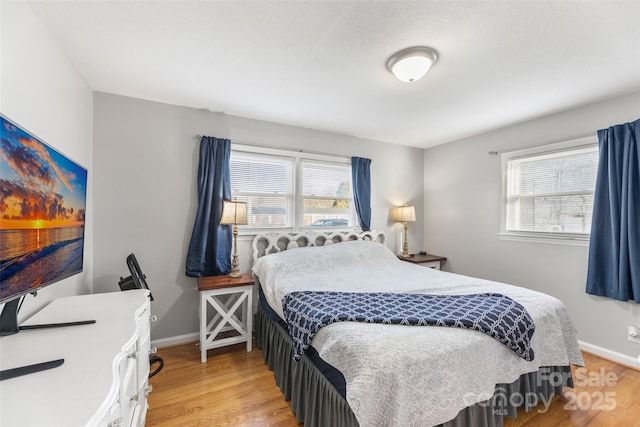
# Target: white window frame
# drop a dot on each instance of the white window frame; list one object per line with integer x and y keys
{"x": 574, "y": 239}
{"x": 297, "y": 207}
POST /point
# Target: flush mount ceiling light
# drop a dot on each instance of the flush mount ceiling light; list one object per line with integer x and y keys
{"x": 410, "y": 65}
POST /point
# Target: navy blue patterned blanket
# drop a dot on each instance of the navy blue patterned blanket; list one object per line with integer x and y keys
{"x": 493, "y": 314}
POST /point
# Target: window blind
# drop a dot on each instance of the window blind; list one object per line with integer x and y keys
{"x": 265, "y": 183}
{"x": 552, "y": 192}
{"x": 326, "y": 194}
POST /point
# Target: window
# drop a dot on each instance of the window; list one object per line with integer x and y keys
{"x": 265, "y": 183}
{"x": 548, "y": 191}
{"x": 291, "y": 190}
{"x": 326, "y": 194}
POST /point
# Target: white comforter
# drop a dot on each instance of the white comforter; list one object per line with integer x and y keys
{"x": 412, "y": 375}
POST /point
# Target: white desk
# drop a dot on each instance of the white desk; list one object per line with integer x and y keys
{"x": 104, "y": 378}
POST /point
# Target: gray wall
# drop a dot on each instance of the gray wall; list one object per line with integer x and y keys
{"x": 462, "y": 220}
{"x": 145, "y": 167}
{"x": 41, "y": 91}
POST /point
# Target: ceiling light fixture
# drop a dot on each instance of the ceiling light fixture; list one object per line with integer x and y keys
{"x": 411, "y": 64}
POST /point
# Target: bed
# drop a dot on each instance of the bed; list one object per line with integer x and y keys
{"x": 370, "y": 374}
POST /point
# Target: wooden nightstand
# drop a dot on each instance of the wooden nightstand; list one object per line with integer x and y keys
{"x": 233, "y": 313}
{"x": 431, "y": 261}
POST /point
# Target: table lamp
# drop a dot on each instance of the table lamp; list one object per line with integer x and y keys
{"x": 234, "y": 213}
{"x": 404, "y": 214}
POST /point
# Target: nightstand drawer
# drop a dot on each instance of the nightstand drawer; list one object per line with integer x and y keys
{"x": 431, "y": 264}
{"x": 425, "y": 260}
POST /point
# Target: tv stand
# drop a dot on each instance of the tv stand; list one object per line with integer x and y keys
{"x": 9, "y": 320}
{"x": 7, "y": 374}
{"x": 56, "y": 325}
{"x": 42, "y": 366}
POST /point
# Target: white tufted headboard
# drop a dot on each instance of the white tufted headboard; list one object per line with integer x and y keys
{"x": 268, "y": 243}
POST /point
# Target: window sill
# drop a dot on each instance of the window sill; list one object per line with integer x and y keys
{"x": 549, "y": 238}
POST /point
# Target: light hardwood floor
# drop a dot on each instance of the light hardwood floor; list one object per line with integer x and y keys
{"x": 235, "y": 388}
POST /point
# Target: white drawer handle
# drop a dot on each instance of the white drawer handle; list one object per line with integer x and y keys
{"x": 116, "y": 423}
{"x": 153, "y": 318}
{"x": 153, "y": 351}
{"x": 133, "y": 356}
{"x": 148, "y": 390}
{"x": 134, "y": 398}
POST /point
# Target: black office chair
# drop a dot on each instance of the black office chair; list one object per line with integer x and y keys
{"x": 137, "y": 280}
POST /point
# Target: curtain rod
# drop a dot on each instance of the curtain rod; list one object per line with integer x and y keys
{"x": 275, "y": 147}
{"x": 526, "y": 147}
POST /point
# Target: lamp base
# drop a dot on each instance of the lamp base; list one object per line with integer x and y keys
{"x": 405, "y": 245}
{"x": 235, "y": 264}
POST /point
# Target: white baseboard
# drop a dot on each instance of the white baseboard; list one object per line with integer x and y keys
{"x": 180, "y": 339}
{"x": 614, "y": 356}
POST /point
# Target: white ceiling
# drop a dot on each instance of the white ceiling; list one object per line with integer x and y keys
{"x": 322, "y": 65}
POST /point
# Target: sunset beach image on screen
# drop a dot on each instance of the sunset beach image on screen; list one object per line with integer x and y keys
{"x": 42, "y": 213}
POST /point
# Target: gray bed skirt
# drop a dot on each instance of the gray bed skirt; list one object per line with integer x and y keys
{"x": 317, "y": 403}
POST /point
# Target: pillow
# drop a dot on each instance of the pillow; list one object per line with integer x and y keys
{"x": 323, "y": 258}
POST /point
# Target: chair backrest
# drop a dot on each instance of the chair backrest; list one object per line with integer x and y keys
{"x": 137, "y": 280}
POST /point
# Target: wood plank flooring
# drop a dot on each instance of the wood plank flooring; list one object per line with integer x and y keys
{"x": 235, "y": 388}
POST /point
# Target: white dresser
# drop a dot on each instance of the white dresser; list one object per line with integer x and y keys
{"x": 104, "y": 378}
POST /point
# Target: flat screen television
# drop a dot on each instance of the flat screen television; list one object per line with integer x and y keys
{"x": 42, "y": 216}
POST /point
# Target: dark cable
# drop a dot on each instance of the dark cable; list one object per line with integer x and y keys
{"x": 155, "y": 359}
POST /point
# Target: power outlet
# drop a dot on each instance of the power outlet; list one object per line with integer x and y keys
{"x": 633, "y": 334}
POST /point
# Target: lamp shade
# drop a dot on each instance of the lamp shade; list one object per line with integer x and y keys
{"x": 404, "y": 214}
{"x": 412, "y": 64}
{"x": 234, "y": 212}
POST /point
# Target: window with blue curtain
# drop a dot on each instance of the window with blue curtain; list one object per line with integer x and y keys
{"x": 614, "y": 251}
